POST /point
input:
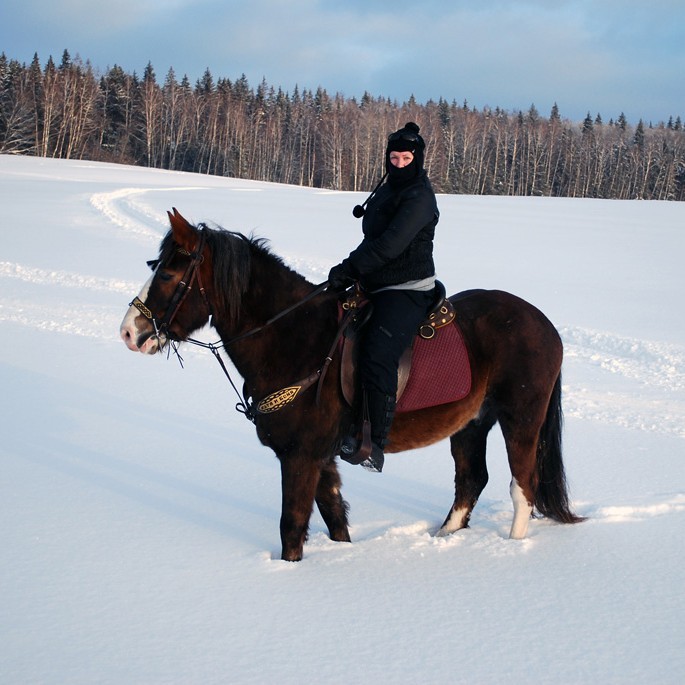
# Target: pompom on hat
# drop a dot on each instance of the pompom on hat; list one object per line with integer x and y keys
{"x": 406, "y": 139}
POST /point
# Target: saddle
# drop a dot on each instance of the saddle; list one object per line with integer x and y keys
{"x": 434, "y": 370}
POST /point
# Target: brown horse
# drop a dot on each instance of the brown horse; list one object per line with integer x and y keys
{"x": 514, "y": 351}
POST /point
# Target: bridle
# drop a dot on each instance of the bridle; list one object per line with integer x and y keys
{"x": 183, "y": 288}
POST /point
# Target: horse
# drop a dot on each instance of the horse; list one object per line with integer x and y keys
{"x": 275, "y": 326}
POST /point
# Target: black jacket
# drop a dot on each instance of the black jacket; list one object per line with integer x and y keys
{"x": 398, "y": 226}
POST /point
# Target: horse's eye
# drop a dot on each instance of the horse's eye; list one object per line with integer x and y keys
{"x": 165, "y": 276}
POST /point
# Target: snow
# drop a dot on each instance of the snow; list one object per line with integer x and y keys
{"x": 139, "y": 527}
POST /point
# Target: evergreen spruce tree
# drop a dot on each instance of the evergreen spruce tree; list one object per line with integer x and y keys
{"x": 639, "y": 137}
{"x": 554, "y": 114}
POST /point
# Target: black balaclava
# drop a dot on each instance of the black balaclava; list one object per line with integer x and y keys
{"x": 406, "y": 139}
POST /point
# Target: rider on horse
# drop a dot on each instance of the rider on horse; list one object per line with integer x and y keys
{"x": 394, "y": 266}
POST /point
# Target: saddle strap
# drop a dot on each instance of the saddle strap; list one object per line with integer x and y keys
{"x": 350, "y": 314}
{"x": 440, "y": 316}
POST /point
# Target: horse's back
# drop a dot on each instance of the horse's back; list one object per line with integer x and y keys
{"x": 498, "y": 306}
{"x": 488, "y": 300}
{"x": 500, "y": 326}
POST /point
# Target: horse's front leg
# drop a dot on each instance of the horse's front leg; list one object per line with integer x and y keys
{"x": 332, "y": 506}
{"x": 300, "y": 475}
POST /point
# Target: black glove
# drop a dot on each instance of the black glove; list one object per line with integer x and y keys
{"x": 340, "y": 277}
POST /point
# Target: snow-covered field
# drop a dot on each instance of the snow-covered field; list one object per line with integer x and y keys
{"x": 139, "y": 524}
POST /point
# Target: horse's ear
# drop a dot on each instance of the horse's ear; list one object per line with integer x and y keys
{"x": 185, "y": 234}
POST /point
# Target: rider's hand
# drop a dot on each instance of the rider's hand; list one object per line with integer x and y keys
{"x": 339, "y": 277}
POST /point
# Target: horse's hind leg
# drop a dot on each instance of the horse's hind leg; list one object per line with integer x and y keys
{"x": 331, "y": 504}
{"x": 521, "y": 441}
{"x": 471, "y": 473}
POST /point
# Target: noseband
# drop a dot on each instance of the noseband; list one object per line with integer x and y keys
{"x": 185, "y": 285}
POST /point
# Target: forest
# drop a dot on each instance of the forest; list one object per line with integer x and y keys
{"x": 312, "y": 138}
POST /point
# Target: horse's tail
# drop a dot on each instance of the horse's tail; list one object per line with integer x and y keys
{"x": 551, "y": 498}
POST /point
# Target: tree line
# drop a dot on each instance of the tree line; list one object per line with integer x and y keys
{"x": 312, "y": 138}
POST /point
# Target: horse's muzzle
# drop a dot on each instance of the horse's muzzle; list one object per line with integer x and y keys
{"x": 145, "y": 341}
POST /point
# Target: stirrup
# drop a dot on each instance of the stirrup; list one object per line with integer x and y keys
{"x": 355, "y": 451}
{"x": 375, "y": 460}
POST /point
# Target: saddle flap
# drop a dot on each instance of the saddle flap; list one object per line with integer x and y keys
{"x": 348, "y": 370}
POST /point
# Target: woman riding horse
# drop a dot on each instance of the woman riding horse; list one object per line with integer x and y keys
{"x": 394, "y": 265}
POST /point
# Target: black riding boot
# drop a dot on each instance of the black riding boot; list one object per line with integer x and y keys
{"x": 381, "y": 413}
{"x": 379, "y": 410}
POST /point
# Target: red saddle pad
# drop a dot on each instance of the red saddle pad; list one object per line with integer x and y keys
{"x": 440, "y": 371}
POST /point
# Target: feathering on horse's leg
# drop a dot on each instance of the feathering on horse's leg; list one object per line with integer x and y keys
{"x": 332, "y": 506}
{"x": 299, "y": 482}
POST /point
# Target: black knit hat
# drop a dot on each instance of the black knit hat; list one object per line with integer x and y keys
{"x": 406, "y": 139}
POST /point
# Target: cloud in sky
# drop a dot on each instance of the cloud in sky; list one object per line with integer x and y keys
{"x": 609, "y": 57}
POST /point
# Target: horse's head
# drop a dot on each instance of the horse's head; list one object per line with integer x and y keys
{"x": 173, "y": 303}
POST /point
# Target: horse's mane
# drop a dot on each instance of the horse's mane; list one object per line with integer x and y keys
{"x": 233, "y": 258}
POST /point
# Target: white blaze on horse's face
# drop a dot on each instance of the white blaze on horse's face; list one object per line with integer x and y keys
{"x": 137, "y": 332}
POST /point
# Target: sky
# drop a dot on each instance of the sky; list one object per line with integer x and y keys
{"x": 606, "y": 57}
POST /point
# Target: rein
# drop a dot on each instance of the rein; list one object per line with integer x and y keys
{"x": 280, "y": 398}
{"x": 319, "y": 289}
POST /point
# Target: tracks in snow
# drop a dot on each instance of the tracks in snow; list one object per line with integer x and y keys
{"x": 624, "y": 381}
{"x": 123, "y": 208}
{"x": 59, "y": 314}
{"x": 650, "y": 363}
{"x": 64, "y": 279}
